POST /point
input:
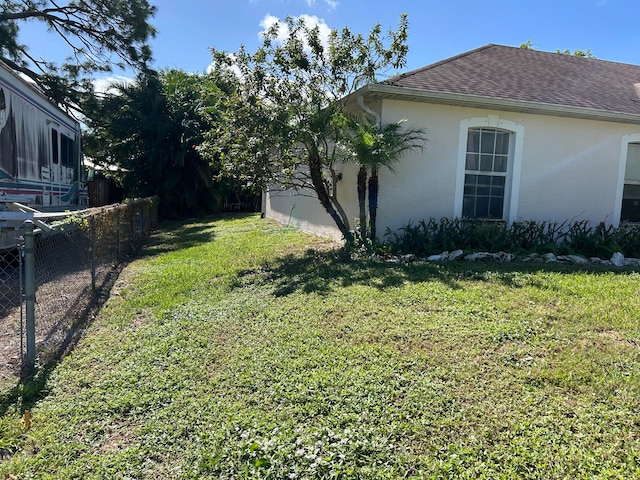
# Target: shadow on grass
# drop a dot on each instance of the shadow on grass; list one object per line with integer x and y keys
{"x": 177, "y": 235}
{"x": 323, "y": 271}
{"x": 32, "y": 385}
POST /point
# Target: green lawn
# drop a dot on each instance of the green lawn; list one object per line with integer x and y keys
{"x": 233, "y": 348}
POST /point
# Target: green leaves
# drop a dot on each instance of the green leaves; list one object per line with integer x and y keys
{"x": 152, "y": 130}
{"x": 373, "y": 146}
{"x": 281, "y": 125}
{"x": 99, "y": 34}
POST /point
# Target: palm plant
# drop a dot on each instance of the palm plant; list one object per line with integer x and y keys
{"x": 374, "y": 147}
{"x": 149, "y": 129}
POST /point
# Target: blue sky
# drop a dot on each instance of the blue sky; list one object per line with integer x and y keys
{"x": 438, "y": 28}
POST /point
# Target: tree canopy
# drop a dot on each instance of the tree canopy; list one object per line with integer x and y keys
{"x": 150, "y": 129}
{"x": 98, "y": 35}
{"x": 289, "y": 113}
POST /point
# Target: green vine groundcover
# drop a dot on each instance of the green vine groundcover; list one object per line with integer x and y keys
{"x": 232, "y": 348}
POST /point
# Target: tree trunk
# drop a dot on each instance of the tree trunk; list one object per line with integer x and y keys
{"x": 373, "y": 203}
{"x": 315, "y": 171}
{"x": 334, "y": 198}
{"x": 362, "y": 194}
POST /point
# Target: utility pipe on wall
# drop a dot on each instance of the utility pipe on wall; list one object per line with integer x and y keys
{"x": 365, "y": 108}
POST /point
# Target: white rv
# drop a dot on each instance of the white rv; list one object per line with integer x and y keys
{"x": 40, "y": 148}
{"x": 41, "y": 167}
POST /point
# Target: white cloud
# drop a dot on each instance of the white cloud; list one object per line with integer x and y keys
{"x": 105, "y": 85}
{"x": 310, "y": 20}
{"x": 331, "y": 3}
{"x": 214, "y": 66}
{"x": 269, "y": 21}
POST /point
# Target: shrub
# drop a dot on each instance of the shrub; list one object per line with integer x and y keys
{"x": 580, "y": 237}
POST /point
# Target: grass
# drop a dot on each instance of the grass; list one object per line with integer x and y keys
{"x": 233, "y": 348}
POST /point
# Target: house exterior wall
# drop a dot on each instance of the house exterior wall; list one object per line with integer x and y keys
{"x": 302, "y": 210}
{"x": 569, "y": 170}
{"x": 569, "y": 167}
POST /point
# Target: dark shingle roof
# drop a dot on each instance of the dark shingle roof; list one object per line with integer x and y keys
{"x": 509, "y": 73}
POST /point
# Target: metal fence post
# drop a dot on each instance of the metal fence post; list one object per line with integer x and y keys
{"x": 118, "y": 231}
{"x": 30, "y": 294}
{"x": 132, "y": 218}
{"x": 93, "y": 254}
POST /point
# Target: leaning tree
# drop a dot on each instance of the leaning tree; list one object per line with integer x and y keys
{"x": 289, "y": 113}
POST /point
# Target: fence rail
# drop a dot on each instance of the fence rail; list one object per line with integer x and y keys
{"x": 50, "y": 281}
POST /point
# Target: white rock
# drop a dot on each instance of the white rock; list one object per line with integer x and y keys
{"x": 503, "y": 257}
{"x": 577, "y": 259}
{"x": 440, "y": 257}
{"x": 408, "y": 258}
{"x": 617, "y": 259}
{"x": 550, "y": 257}
{"x": 478, "y": 256}
{"x": 456, "y": 254}
{"x": 632, "y": 262}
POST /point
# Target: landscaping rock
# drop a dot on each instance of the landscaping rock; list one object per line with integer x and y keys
{"x": 632, "y": 262}
{"x": 408, "y": 258}
{"x": 472, "y": 257}
{"x": 441, "y": 257}
{"x": 456, "y": 254}
{"x": 577, "y": 259}
{"x": 503, "y": 257}
{"x": 599, "y": 261}
{"x": 617, "y": 259}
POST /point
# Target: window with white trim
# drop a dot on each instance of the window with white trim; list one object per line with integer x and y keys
{"x": 631, "y": 190}
{"x": 485, "y": 174}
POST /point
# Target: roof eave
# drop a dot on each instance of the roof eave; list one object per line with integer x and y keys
{"x": 380, "y": 91}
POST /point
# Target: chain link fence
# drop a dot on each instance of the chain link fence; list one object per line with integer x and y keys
{"x": 74, "y": 267}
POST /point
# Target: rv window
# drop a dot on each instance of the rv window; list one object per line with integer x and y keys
{"x": 54, "y": 145}
{"x": 67, "y": 151}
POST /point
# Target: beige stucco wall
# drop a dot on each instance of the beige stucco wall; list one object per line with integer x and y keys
{"x": 569, "y": 171}
{"x": 302, "y": 210}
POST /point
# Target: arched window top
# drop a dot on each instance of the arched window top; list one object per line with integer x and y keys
{"x": 492, "y": 121}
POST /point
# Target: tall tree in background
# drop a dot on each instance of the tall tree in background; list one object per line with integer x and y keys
{"x": 150, "y": 129}
{"x": 289, "y": 113}
{"x": 98, "y": 34}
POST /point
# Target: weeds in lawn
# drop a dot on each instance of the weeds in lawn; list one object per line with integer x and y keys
{"x": 235, "y": 349}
